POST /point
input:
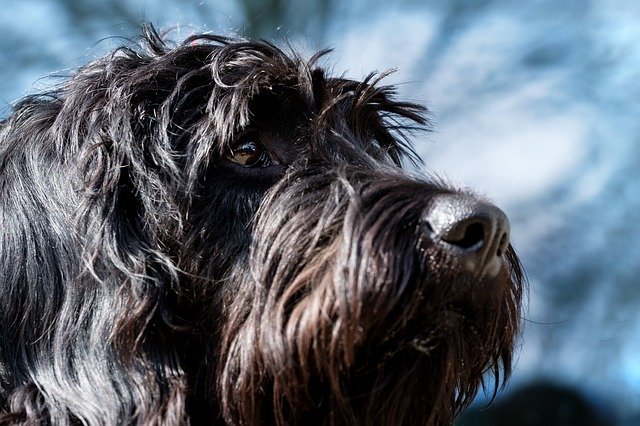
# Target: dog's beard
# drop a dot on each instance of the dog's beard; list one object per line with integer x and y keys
{"x": 348, "y": 313}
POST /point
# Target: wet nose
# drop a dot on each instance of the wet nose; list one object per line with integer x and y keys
{"x": 476, "y": 232}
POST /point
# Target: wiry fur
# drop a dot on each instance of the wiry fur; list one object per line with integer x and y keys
{"x": 147, "y": 279}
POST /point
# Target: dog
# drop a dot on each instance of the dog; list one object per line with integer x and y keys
{"x": 218, "y": 231}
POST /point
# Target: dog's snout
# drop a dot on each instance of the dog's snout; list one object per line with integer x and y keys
{"x": 476, "y": 232}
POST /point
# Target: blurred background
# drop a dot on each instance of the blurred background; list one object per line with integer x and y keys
{"x": 536, "y": 105}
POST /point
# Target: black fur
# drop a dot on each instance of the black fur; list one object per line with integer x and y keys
{"x": 147, "y": 277}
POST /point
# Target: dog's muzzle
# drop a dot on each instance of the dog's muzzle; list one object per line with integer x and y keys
{"x": 475, "y": 232}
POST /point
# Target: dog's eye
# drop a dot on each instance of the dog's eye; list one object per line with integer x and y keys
{"x": 250, "y": 154}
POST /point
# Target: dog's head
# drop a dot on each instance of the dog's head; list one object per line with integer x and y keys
{"x": 246, "y": 204}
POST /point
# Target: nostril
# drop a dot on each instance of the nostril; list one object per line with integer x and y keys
{"x": 466, "y": 235}
{"x": 474, "y": 231}
{"x": 503, "y": 245}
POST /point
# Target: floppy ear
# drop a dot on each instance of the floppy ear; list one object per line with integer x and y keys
{"x": 129, "y": 210}
{"x": 93, "y": 211}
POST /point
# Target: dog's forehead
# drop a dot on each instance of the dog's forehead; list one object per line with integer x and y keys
{"x": 281, "y": 110}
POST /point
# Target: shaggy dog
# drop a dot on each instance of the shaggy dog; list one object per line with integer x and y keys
{"x": 221, "y": 232}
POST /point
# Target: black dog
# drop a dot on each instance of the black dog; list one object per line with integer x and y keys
{"x": 221, "y": 232}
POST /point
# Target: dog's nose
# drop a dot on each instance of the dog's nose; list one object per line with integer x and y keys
{"x": 476, "y": 232}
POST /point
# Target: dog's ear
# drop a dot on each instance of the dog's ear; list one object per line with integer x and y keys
{"x": 91, "y": 186}
{"x": 129, "y": 183}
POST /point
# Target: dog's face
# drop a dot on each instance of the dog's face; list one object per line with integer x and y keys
{"x": 251, "y": 249}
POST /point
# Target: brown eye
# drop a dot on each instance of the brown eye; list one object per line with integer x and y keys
{"x": 250, "y": 154}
